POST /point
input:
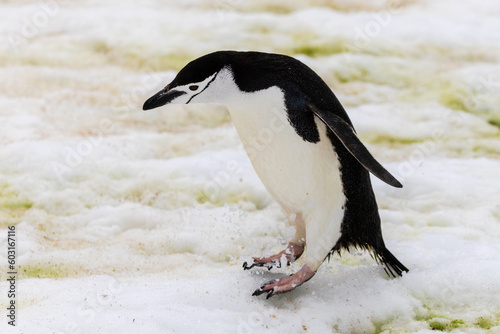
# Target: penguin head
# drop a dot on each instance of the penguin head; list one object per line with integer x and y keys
{"x": 203, "y": 80}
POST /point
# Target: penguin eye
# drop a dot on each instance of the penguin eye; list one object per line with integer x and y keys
{"x": 193, "y": 87}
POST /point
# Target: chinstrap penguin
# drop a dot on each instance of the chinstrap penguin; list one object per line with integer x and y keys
{"x": 315, "y": 167}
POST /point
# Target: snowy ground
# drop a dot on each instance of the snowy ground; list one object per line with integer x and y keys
{"x": 133, "y": 222}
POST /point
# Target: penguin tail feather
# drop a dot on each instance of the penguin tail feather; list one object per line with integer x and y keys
{"x": 392, "y": 266}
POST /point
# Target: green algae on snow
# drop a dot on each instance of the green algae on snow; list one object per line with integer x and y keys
{"x": 443, "y": 323}
{"x": 12, "y": 206}
{"x": 47, "y": 270}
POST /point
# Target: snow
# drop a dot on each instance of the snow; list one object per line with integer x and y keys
{"x": 134, "y": 222}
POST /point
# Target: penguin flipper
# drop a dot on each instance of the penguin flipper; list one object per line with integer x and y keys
{"x": 346, "y": 134}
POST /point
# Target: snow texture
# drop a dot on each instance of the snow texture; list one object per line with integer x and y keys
{"x": 134, "y": 222}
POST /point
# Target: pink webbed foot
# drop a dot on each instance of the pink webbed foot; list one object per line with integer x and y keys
{"x": 292, "y": 252}
{"x": 285, "y": 284}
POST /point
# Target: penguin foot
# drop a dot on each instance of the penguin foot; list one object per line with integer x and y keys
{"x": 285, "y": 284}
{"x": 292, "y": 252}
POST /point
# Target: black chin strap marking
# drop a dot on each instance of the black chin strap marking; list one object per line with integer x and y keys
{"x": 208, "y": 84}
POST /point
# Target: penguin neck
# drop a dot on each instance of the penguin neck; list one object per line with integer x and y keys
{"x": 258, "y": 114}
{"x": 252, "y": 113}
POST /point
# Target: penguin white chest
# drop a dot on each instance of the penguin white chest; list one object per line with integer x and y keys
{"x": 303, "y": 177}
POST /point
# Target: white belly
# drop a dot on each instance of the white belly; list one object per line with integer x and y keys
{"x": 302, "y": 177}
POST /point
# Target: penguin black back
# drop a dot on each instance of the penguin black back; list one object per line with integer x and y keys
{"x": 361, "y": 226}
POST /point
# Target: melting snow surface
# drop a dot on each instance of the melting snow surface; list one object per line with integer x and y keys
{"x": 133, "y": 222}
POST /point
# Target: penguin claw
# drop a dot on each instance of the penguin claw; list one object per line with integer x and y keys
{"x": 268, "y": 265}
{"x": 257, "y": 292}
{"x": 262, "y": 289}
{"x": 270, "y": 292}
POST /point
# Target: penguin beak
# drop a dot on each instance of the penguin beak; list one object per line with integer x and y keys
{"x": 161, "y": 98}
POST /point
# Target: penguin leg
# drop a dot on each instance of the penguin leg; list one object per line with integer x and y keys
{"x": 320, "y": 239}
{"x": 292, "y": 252}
